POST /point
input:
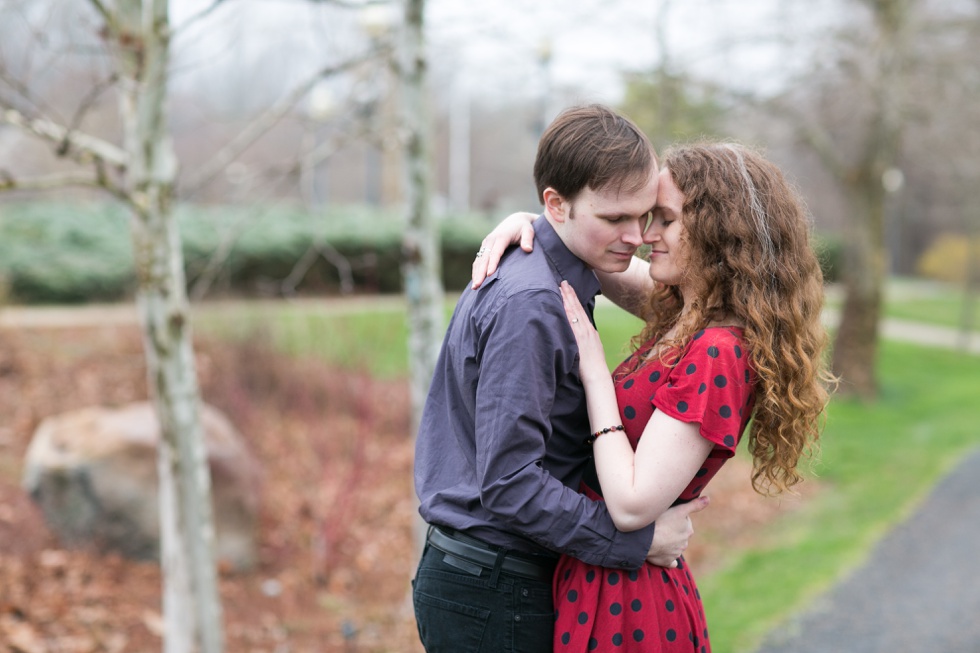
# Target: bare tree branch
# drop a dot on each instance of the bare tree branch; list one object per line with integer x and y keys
{"x": 265, "y": 122}
{"x": 80, "y": 147}
{"x": 52, "y": 182}
{"x": 204, "y": 13}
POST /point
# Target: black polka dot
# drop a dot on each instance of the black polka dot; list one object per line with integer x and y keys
{"x": 691, "y": 368}
{"x": 713, "y": 351}
{"x": 696, "y": 491}
{"x": 572, "y": 596}
{"x": 566, "y": 638}
{"x": 634, "y": 575}
{"x": 702, "y": 388}
{"x": 637, "y": 635}
{"x": 738, "y": 351}
{"x": 729, "y": 440}
{"x": 628, "y": 384}
{"x": 698, "y": 335}
{"x": 568, "y": 572}
{"x": 615, "y": 608}
{"x": 669, "y": 605}
{"x": 593, "y": 643}
{"x": 682, "y": 406}
{"x": 720, "y": 381}
{"x": 702, "y": 472}
{"x": 654, "y": 377}
{"x": 617, "y": 639}
{"x": 671, "y": 634}
{"x": 636, "y": 605}
{"x": 583, "y": 618}
{"x": 725, "y": 411}
{"x": 747, "y": 377}
{"x": 613, "y": 578}
{"x": 629, "y": 412}
{"x": 590, "y": 576}
{"x": 665, "y": 577}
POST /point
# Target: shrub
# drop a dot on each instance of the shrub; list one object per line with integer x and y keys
{"x": 948, "y": 258}
{"x": 59, "y": 253}
{"x": 829, "y": 252}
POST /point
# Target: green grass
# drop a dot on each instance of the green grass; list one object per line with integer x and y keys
{"x": 929, "y": 302}
{"x": 877, "y": 462}
{"x": 360, "y": 335}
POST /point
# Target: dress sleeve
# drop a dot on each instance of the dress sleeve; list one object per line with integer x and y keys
{"x": 712, "y": 385}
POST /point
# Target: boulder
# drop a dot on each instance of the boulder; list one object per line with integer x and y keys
{"x": 93, "y": 472}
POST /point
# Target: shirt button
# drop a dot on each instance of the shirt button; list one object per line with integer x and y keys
{"x": 524, "y": 592}
{"x": 624, "y": 564}
{"x": 517, "y": 617}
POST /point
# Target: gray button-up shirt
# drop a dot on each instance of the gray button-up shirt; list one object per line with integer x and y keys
{"x": 501, "y": 446}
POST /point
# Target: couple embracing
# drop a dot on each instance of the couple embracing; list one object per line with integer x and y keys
{"x": 559, "y": 494}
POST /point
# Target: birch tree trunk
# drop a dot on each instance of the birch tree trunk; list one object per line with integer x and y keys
{"x": 138, "y": 35}
{"x": 421, "y": 263}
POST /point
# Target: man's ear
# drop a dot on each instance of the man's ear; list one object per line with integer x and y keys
{"x": 555, "y": 204}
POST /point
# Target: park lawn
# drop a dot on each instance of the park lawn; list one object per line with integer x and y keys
{"x": 928, "y": 302}
{"x": 876, "y": 463}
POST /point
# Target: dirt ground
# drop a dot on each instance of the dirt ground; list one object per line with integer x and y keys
{"x": 335, "y": 535}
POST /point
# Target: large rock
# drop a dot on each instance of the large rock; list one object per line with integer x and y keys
{"x": 94, "y": 474}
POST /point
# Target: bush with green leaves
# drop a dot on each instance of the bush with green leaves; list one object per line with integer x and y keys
{"x": 72, "y": 253}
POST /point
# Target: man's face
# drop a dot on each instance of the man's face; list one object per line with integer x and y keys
{"x": 604, "y": 228}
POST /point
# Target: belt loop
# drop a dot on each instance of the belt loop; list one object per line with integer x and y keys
{"x": 497, "y": 565}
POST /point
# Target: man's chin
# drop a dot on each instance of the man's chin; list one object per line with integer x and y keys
{"x": 614, "y": 266}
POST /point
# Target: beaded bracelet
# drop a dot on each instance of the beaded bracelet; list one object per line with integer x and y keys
{"x": 609, "y": 429}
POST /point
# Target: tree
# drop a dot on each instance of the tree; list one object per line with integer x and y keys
{"x": 668, "y": 105}
{"x": 851, "y": 108}
{"x": 141, "y": 174}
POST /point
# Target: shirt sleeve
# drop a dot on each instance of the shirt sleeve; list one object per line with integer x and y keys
{"x": 712, "y": 386}
{"x": 525, "y": 356}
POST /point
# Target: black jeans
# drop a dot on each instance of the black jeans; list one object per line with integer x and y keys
{"x": 493, "y": 612}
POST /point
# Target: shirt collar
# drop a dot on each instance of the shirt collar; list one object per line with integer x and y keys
{"x": 570, "y": 267}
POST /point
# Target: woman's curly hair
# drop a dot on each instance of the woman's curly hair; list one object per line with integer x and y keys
{"x": 749, "y": 257}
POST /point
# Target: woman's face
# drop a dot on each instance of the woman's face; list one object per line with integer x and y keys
{"x": 668, "y": 250}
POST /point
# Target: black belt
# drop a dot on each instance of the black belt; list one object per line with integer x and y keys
{"x": 481, "y": 554}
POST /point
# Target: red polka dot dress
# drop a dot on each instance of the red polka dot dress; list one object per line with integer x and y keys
{"x": 653, "y": 609}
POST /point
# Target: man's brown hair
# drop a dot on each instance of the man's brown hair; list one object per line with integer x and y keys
{"x": 592, "y": 146}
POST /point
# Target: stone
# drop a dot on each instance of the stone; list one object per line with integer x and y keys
{"x": 93, "y": 472}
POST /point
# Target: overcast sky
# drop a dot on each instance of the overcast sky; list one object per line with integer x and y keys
{"x": 493, "y": 50}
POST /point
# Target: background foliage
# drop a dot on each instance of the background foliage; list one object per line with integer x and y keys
{"x": 74, "y": 253}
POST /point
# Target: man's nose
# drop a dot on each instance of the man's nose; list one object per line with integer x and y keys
{"x": 634, "y": 234}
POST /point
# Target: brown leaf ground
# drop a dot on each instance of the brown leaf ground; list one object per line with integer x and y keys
{"x": 335, "y": 535}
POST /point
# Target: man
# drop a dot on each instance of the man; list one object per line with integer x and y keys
{"x": 503, "y": 442}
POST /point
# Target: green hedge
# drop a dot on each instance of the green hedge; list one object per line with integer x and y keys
{"x": 61, "y": 253}
{"x": 71, "y": 253}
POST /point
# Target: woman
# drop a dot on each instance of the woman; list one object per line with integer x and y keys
{"x": 732, "y": 333}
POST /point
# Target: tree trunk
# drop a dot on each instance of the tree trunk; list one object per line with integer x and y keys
{"x": 856, "y": 344}
{"x": 138, "y": 36}
{"x": 420, "y": 243}
{"x": 865, "y": 262}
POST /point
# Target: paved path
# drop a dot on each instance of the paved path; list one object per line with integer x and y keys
{"x": 919, "y": 592}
